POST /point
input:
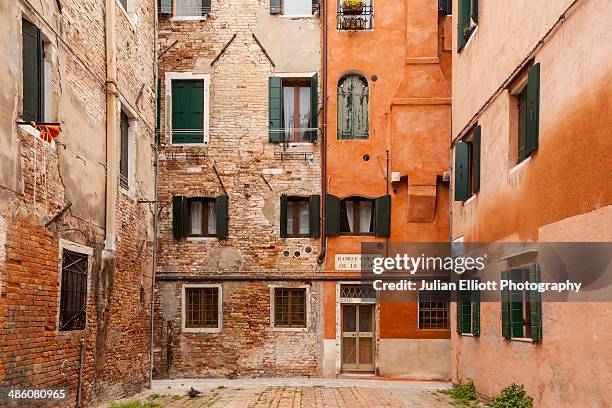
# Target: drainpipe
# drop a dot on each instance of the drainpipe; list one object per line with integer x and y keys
{"x": 322, "y": 254}
{"x": 111, "y": 125}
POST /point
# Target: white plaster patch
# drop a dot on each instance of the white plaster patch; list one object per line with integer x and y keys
{"x": 272, "y": 171}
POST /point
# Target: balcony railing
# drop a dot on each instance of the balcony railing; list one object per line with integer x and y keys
{"x": 358, "y": 18}
{"x": 184, "y": 9}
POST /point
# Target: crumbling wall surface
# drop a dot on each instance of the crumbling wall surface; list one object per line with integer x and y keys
{"x": 38, "y": 180}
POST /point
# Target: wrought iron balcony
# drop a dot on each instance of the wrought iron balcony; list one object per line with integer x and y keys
{"x": 355, "y": 18}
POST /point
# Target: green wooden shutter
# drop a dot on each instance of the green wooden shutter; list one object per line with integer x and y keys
{"x": 463, "y": 21}
{"x": 158, "y": 109}
{"x": 222, "y": 216}
{"x": 345, "y": 120}
{"x": 179, "y": 204}
{"x": 466, "y": 311}
{"x": 533, "y": 110}
{"x": 462, "y": 171}
{"x": 332, "y": 215}
{"x": 505, "y": 306}
{"x": 283, "y": 216}
{"x": 476, "y": 160}
{"x": 535, "y": 305}
{"x": 33, "y": 73}
{"x": 275, "y": 6}
{"x": 360, "y": 98}
{"x": 275, "y": 113}
{"x": 382, "y": 206}
{"x": 516, "y": 305}
{"x": 475, "y": 300}
{"x": 206, "y": 6}
{"x": 187, "y": 111}
{"x": 314, "y": 106}
{"x": 165, "y": 6}
{"x": 315, "y": 6}
{"x": 475, "y": 11}
{"x": 314, "y": 215}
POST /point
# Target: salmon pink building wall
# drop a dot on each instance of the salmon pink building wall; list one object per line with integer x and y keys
{"x": 561, "y": 193}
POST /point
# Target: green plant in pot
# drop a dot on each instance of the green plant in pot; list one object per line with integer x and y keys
{"x": 353, "y": 24}
{"x": 352, "y": 6}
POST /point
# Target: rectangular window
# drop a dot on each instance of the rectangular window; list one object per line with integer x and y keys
{"x": 522, "y": 309}
{"x": 354, "y": 15}
{"x": 468, "y": 20}
{"x": 184, "y": 8}
{"x": 201, "y": 217}
{"x": 524, "y": 117}
{"x": 433, "y": 310}
{"x": 468, "y": 312}
{"x": 73, "y": 295}
{"x": 33, "y": 73}
{"x": 297, "y": 7}
{"x": 124, "y": 160}
{"x": 187, "y": 111}
{"x": 296, "y": 109}
{"x": 298, "y": 220}
{"x": 357, "y": 216}
{"x": 201, "y": 307}
{"x": 290, "y": 307}
{"x": 467, "y": 165}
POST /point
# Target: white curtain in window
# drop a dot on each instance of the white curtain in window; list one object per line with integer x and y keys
{"x": 288, "y": 112}
{"x": 188, "y": 8}
{"x": 212, "y": 218}
{"x": 304, "y": 113}
{"x": 196, "y": 217}
{"x": 303, "y": 211}
{"x": 289, "y": 217}
{"x": 350, "y": 215}
{"x": 365, "y": 216}
{"x": 297, "y": 7}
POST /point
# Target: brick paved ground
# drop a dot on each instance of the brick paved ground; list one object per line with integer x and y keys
{"x": 290, "y": 393}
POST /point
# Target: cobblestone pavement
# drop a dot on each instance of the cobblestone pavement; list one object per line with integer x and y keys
{"x": 294, "y": 393}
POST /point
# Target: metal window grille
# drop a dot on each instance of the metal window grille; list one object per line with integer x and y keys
{"x": 290, "y": 307}
{"x": 202, "y": 307}
{"x": 433, "y": 310}
{"x": 73, "y": 297}
{"x": 357, "y": 291}
{"x": 359, "y": 18}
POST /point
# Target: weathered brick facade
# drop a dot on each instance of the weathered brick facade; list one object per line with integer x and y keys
{"x": 39, "y": 179}
{"x": 238, "y": 160}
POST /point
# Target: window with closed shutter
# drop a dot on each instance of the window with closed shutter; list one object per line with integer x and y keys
{"x": 353, "y": 108}
{"x": 33, "y": 73}
{"x": 187, "y": 111}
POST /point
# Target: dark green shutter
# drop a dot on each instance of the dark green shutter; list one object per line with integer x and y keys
{"x": 314, "y": 215}
{"x": 275, "y": 6}
{"x": 505, "y": 305}
{"x": 33, "y": 73}
{"x": 516, "y": 305}
{"x": 475, "y": 300}
{"x": 465, "y": 311}
{"x": 533, "y": 110}
{"x": 314, "y": 106}
{"x": 283, "y": 216}
{"x": 535, "y": 304}
{"x": 275, "y": 94}
{"x": 476, "y": 160}
{"x": 383, "y": 216}
{"x": 315, "y": 6}
{"x": 187, "y": 111}
{"x": 475, "y": 11}
{"x": 206, "y": 6}
{"x": 332, "y": 215}
{"x": 165, "y": 6}
{"x": 463, "y": 21}
{"x": 222, "y": 216}
{"x": 462, "y": 171}
{"x": 158, "y": 108}
{"x": 179, "y": 204}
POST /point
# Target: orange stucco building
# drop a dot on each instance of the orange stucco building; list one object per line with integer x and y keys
{"x": 532, "y": 86}
{"x": 387, "y": 79}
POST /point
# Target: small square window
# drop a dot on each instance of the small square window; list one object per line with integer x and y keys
{"x": 433, "y": 310}
{"x": 290, "y": 307}
{"x": 297, "y": 7}
{"x": 201, "y": 307}
{"x": 201, "y": 217}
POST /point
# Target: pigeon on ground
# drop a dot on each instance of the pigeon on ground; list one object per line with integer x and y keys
{"x": 193, "y": 393}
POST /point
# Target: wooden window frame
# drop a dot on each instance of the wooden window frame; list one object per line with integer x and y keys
{"x": 296, "y": 83}
{"x": 432, "y": 307}
{"x": 356, "y": 215}
{"x": 87, "y": 253}
{"x": 179, "y": 76}
{"x": 292, "y": 292}
{"x": 185, "y": 304}
{"x": 296, "y": 221}
{"x": 205, "y": 202}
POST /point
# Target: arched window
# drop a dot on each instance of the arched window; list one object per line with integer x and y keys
{"x": 353, "y": 107}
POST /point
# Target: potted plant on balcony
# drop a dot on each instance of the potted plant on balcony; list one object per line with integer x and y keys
{"x": 352, "y": 7}
{"x": 353, "y": 23}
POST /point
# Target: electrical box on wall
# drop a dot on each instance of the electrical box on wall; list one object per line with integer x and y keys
{"x": 395, "y": 176}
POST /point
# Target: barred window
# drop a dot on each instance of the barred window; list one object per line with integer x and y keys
{"x": 433, "y": 310}
{"x": 201, "y": 308}
{"x": 290, "y": 307}
{"x": 73, "y": 296}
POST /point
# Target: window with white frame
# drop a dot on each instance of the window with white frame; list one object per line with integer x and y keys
{"x": 189, "y": 107}
{"x": 73, "y": 286}
{"x": 185, "y": 8}
{"x": 290, "y": 308}
{"x": 37, "y": 55}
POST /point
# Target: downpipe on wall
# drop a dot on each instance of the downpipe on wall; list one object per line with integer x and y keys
{"x": 323, "y": 251}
